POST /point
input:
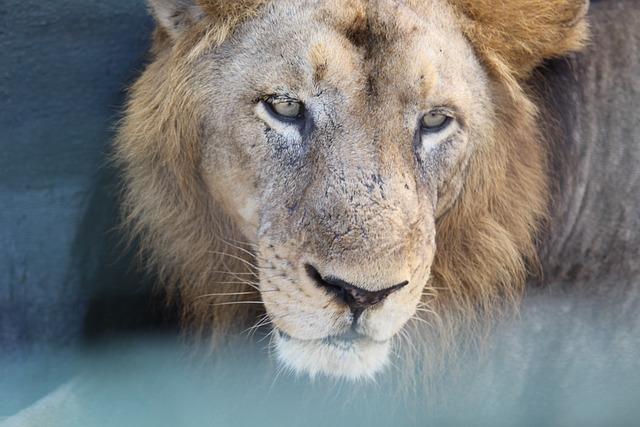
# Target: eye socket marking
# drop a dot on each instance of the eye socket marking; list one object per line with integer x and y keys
{"x": 434, "y": 129}
{"x": 285, "y": 109}
{"x": 435, "y": 121}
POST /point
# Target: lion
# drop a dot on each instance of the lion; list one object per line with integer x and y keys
{"x": 348, "y": 174}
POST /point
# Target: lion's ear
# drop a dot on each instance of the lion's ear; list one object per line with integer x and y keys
{"x": 520, "y": 34}
{"x": 175, "y": 16}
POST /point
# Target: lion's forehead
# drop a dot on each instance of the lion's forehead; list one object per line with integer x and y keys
{"x": 400, "y": 51}
{"x": 381, "y": 31}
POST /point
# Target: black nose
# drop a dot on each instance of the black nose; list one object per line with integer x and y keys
{"x": 356, "y": 298}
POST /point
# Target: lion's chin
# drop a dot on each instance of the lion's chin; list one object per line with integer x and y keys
{"x": 358, "y": 359}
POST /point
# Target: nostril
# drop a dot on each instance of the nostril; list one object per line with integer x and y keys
{"x": 315, "y": 275}
{"x": 355, "y": 297}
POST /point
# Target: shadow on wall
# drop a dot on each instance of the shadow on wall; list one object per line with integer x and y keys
{"x": 122, "y": 298}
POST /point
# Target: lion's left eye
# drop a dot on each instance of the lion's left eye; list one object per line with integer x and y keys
{"x": 286, "y": 108}
{"x": 434, "y": 121}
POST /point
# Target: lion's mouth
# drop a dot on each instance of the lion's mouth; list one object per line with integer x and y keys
{"x": 350, "y": 355}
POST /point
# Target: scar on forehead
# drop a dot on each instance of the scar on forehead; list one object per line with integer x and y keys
{"x": 425, "y": 75}
{"x": 332, "y": 58}
{"x": 319, "y": 58}
{"x": 349, "y": 17}
{"x": 372, "y": 25}
{"x": 330, "y": 61}
{"x": 359, "y": 20}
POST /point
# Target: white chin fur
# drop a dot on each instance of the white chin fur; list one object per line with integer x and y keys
{"x": 360, "y": 359}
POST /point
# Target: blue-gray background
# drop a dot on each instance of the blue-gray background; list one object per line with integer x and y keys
{"x": 65, "y": 280}
{"x": 65, "y": 66}
{"x": 64, "y": 277}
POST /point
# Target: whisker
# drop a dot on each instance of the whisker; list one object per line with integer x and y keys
{"x": 240, "y": 242}
{"x": 279, "y": 371}
{"x": 236, "y": 302}
{"x": 236, "y": 275}
{"x": 430, "y": 295}
{"x": 253, "y": 285}
{"x": 251, "y": 254}
{"x": 234, "y": 272}
{"x": 405, "y": 334}
{"x": 263, "y": 321}
{"x": 420, "y": 319}
{"x": 432, "y": 313}
{"x": 220, "y": 294}
{"x": 270, "y": 345}
{"x": 237, "y": 282}
{"x": 242, "y": 260}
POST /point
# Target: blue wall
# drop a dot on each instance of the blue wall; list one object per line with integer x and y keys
{"x": 64, "y": 70}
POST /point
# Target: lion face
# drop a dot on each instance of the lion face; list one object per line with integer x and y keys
{"x": 381, "y": 159}
{"x": 335, "y": 145}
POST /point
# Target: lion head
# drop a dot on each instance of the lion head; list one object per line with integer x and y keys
{"x": 345, "y": 166}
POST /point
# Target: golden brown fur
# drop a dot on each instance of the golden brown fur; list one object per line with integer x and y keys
{"x": 515, "y": 35}
{"x": 485, "y": 241}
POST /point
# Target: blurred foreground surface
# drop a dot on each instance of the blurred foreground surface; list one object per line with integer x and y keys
{"x": 560, "y": 364}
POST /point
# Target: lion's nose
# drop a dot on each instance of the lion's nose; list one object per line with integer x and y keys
{"x": 356, "y": 298}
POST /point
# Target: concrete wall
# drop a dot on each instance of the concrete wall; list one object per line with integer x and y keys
{"x": 64, "y": 68}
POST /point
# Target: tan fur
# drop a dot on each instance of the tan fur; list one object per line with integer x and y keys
{"x": 485, "y": 240}
{"x": 520, "y": 33}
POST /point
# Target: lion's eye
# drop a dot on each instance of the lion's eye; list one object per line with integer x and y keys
{"x": 434, "y": 121}
{"x": 287, "y": 108}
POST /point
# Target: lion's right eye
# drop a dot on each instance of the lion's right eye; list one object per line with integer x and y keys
{"x": 286, "y": 108}
{"x": 434, "y": 121}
